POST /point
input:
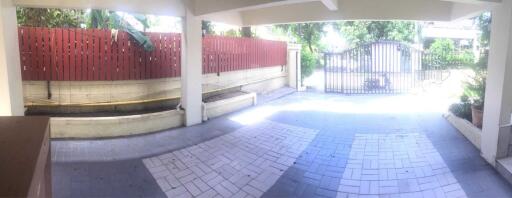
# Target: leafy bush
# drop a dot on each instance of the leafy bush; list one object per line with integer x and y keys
{"x": 443, "y": 50}
{"x": 474, "y": 89}
{"x": 443, "y": 54}
{"x": 465, "y": 58}
{"x": 308, "y": 63}
{"x": 462, "y": 109}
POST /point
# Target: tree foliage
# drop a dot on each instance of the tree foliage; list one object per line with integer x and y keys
{"x": 360, "y": 32}
{"x": 207, "y": 27}
{"x": 112, "y": 20}
{"x": 308, "y": 62}
{"x": 49, "y": 17}
{"x": 484, "y": 23}
{"x": 70, "y": 18}
{"x": 443, "y": 53}
{"x": 308, "y": 34}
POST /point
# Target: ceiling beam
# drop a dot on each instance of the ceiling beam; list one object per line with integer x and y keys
{"x": 475, "y": 1}
{"x": 423, "y": 10}
{"x": 331, "y": 4}
{"x": 204, "y": 7}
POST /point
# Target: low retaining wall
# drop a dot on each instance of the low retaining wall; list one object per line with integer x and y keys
{"x": 228, "y": 105}
{"x": 103, "y": 127}
{"x": 69, "y": 93}
{"x": 472, "y": 133}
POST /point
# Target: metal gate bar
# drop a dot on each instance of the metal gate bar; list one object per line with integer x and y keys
{"x": 383, "y": 67}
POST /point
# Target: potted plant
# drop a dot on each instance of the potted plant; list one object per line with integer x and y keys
{"x": 474, "y": 90}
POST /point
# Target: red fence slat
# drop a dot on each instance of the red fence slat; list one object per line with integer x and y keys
{"x": 76, "y": 54}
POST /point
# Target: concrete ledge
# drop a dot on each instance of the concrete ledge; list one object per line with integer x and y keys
{"x": 224, "y": 106}
{"x": 504, "y": 167}
{"x": 472, "y": 133}
{"x": 103, "y": 127}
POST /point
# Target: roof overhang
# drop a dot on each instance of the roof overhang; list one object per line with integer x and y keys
{"x": 259, "y": 12}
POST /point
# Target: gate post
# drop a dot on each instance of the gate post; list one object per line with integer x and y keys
{"x": 294, "y": 71}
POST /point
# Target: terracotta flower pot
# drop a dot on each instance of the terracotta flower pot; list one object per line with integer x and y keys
{"x": 477, "y": 116}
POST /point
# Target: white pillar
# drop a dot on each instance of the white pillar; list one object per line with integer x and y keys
{"x": 498, "y": 96}
{"x": 294, "y": 66}
{"x": 11, "y": 89}
{"x": 191, "y": 72}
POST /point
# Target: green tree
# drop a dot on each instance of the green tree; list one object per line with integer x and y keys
{"x": 112, "y": 20}
{"x": 308, "y": 62}
{"x": 484, "y": 23}
{"x": 49, "y": 17}
{"x": 443, "y": 53}
{"x": 207, "y": 27}
{"x": 246, "y": 32}
{"x": 442, "y": 50}
{"x": 360, "y": 32}
{"x": 308, "y": 34}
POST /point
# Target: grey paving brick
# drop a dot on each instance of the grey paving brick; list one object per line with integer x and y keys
{"x": 387, "y": 170}
{"x": 192, "y": 189}
{"x": 221, "y": 190}
{"x": 251, "y": 158}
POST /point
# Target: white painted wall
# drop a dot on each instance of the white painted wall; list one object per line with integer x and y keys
{"x": 93, "y": 92}
{"x": 498, "y": 96}
{"x": 294, "y": 65}
{"x": 11, "y": 96}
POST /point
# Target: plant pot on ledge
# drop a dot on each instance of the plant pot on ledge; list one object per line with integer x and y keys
{"x": 477, "y": 115}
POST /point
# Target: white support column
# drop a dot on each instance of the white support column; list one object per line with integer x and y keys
{"x": 294, "y": 66}
{"x": 191, "y": 72}
{"x": 498, "y": 96}
{"x": 11, "y": 88}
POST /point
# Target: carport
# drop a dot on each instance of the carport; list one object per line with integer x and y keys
{"x": 496, "y": 133}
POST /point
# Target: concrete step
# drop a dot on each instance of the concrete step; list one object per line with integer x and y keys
{"x": 275, "y": 94}
{"x": 504, "y": 167}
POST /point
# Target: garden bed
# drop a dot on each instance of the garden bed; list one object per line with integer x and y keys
{"x": 466, "y": 128}
{"x": 218, "y": 105}
{"x": 106, "y": 127}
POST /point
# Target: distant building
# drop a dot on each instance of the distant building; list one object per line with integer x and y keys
{"x": 464, "y": 33}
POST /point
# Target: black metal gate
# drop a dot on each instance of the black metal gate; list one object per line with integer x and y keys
{"x": 383, "y": 67}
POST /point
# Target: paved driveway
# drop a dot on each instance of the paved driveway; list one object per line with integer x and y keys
{"x": 301, "y": 145}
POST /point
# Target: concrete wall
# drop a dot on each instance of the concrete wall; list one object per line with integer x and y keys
{"x": 91, "y": 92}
{"x": 102, "y": 127}
{"x": 228, "y": 105}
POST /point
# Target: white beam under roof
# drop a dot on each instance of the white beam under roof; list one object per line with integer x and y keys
{"x": 204, "y": 7}
{"x": 331, "y": 4}
{"x": 475, "y": 1}
{"x": 420, "y": 10}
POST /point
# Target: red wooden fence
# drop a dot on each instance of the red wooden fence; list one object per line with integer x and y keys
{"x": 93, "y": 54}
{"x": 221, "y": 54}
{"x": 69, "y": 54}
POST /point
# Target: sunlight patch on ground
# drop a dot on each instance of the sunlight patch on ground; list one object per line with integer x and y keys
{"x": 330, "y": 103}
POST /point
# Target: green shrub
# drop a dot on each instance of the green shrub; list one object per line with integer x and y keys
{"x": 442, "y": 51}
{"x": 462, "y": 109}
{"x": 474, "y": 89}
{"x": 465, "y": 58}
{"x": 443, "y": 54}
{"x": 308, "y": 63}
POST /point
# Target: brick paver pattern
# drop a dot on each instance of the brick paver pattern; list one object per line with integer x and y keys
{"x": 244, "y": 163}
{"x": 397, "y": 165}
